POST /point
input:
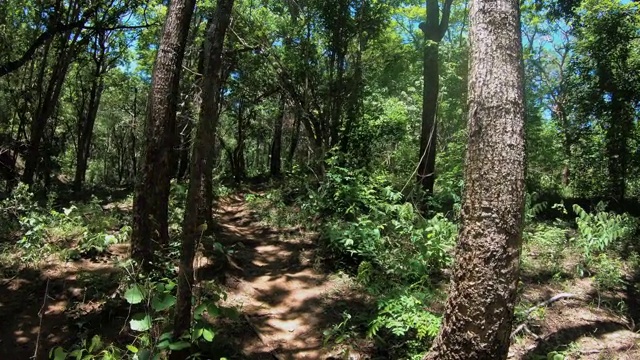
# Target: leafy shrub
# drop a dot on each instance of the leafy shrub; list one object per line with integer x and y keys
{"x": 405, "y": 315}
{"x": 608, "y": 272}
{"x": 601, "y": 230}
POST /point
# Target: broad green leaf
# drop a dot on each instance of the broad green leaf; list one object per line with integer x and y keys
{"x": 58, "y": 354}
{"x": 132, "y": 348}
{"x": 162, "y": 302}
{"x": 197, "y": 332}
{"x": 208, "y": 334}
{"x": 134, "y": 295}
{"x": 140, "y": 322}
{"x": 143, "y": 354}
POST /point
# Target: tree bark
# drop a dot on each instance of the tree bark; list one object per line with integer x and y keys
{"x": 88, "y": 116}
{"x": 200, "y": 164}
{"x": 275, "y": 166}
{"x": 479, "y": 310}
{"x": 150, "y": 207}
{"x": 434, "y": 30}
{"x": 48, "y": 102}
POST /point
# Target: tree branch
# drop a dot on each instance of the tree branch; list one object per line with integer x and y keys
{"x": 11, "y": 66}
{"x": 547, "y": 302}
{"x": 444, "y": 22}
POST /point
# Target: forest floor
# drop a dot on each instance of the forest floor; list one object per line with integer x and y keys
{"x": 287, "y": 300}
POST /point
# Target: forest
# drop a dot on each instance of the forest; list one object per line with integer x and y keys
{"x": 319, "y": 179}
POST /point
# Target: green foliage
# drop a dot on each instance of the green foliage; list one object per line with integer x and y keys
{"x": 609, "y": 272}
{"x": 405, "y": 314}
{"x": 375, "y": 226}
{"x": 601, "y": 230}
{"x": 96, "y": 349}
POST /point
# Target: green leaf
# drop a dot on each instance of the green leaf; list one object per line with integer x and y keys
{"x": 180, "y": 345}
{"x": 162, "y": 302}
{"x": 197, "y": 332}
{"x": 208, "y": 334}
{"x": 58, "y": 354}
{"x": 96, "y": 344}
{"x": 134, "y": 295}
{"x": 140, "y": 322}
{"x": 132, "y": 348}
{"x": 197, "y": 313}
{"x": 213, "y": 309}
{"x": 143, "y": 354}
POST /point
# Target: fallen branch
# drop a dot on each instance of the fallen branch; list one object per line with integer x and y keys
{"x": 545, "y": 303}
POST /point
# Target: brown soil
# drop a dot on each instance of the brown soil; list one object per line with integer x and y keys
{"x": 48, "y": 306}
{"x": 585, "y": 327}
{"x": 285, "y": 300}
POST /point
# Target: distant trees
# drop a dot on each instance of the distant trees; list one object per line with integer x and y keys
{"x": 479, "y": 310}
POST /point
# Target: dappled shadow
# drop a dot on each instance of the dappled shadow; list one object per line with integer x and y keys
{"x": 285, "y": 301}
{"x": 563, "y": 338}
{"x": 51, "y": 306}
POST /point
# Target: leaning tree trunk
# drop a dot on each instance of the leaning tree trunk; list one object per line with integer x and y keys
{"x": 200, "y": 163}
{"x": 434, "y": 30}
{"x": 150, "y": 207}
{"x": 479, "y": 311}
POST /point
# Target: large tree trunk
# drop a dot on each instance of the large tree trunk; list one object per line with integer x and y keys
{"x": 479, "y": 311}
{"x": 150, "y": 207}
{"x": 200, "y": 164}
{"x": 433, "y": 29}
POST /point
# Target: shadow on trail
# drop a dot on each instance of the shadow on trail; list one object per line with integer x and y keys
{"x": 285, "y": 301}
{"x": 49, "y": 307}
{"x": 562, "y": 339}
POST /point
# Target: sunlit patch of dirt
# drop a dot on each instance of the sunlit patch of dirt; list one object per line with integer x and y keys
{"x": 585, "y": 327}
{"x": 285, "y": 302}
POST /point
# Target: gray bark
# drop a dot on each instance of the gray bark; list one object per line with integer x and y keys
{"x": 479, "y": 310}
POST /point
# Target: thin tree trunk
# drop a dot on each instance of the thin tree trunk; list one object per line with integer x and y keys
{"x": 132, "y": 135}
{"x": 295, "y": 138}
{"x": 479, "y": 310}
{"x": 200, "y": 160}
{"x": 85, "y": 127}
{"x": 434, "y": 30}
{"x": 275, "y": 166}
{"x": 46, "y": 107}
{"x": 150, "y": 207}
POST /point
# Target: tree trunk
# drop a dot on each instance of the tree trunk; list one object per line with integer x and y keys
{"x": 621, "y": 125}
{"x": 434, "y": 31}
{"x": 479, "y": 310}
{"x": 47, "y": 105}
{"x": 276, "y": 145}
{"x": 132, "y": 135}
{"x": 295, "y": 137}
{"x": 150, "y": 207}
{"x": 200, "y": 164}
{"x": 86, "y": 123}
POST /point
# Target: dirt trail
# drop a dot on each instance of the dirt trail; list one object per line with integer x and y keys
{"x": 284, "y": 299}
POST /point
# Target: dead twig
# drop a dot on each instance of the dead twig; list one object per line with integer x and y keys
{"x": 41, "y": 316}
{"x": 545, "y": 303}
